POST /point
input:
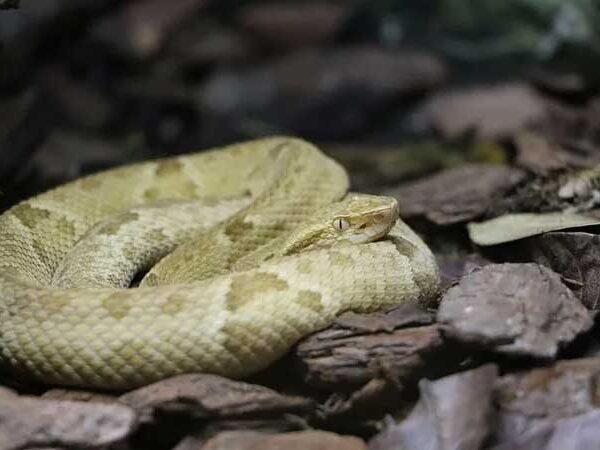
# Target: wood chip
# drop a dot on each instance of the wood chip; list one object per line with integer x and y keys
{"x": 355, "y": 351}
{"x": 32, "y": 422}
{"x": 580, "y": 432}
{"x": 212, "y": 396}
{"x": 543, "y": 396}
{"x": 492, "y": 112}
{"x": 456, "y": 195}
{"x": 301, "y": 440}
{"x": 284, "y": 24}
{"x": 79, "y": 396}
{"x": 539, "y": 154}
{"x": 454, "y": 412}
{"x": 518, "y": 309}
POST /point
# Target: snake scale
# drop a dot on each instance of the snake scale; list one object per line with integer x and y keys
{"x": 249, "y": 248}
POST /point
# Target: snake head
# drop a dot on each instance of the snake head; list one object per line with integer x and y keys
{"x": 357, "y": 219}
{"x": 362, "y": 218}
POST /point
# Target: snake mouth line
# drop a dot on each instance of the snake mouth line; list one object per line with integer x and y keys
{"x": 373, "y": 232}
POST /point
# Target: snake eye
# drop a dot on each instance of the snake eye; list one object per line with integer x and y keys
{"x": 340, "y": 224}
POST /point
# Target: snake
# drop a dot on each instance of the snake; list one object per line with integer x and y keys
{"x": 218, "y": 261}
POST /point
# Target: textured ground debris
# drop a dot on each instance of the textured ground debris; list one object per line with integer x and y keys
{"x": 573, "y": 255}
{"x": 359, "y": 348}
{"x": 445, "y": 199}
{"x": 371, "y": 362}
{"x": 494, "y": 111}
{"x": 518, "y": 309}
{"x": 454, "y": 267}
{"x": 212, "y": 396}
{"x": 31, "y": 422}
{"x": 579, "y": 432}
{"x": 303, "y": 440}
{"x": 284, "y": 25}
{"x": 454, "y": 412}
{"x": 538, "y": 154}
{"x": 540, "y": 397}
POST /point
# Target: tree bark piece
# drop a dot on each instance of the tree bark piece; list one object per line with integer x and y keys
{"x": 302, "y": 440}
{"x": 454, "y": 412}
{"x": 32, "y": 422}
{"x": 456, "y": 195}
{"x": 212, "y": 396}
{"x": 539, "y": 397}
{"x": 359, "y": 348}
{"x": 518, "y": 309}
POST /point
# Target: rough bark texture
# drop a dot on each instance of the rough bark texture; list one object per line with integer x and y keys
{"x": 454, "y": 412}
{"x": 518, "y": 309}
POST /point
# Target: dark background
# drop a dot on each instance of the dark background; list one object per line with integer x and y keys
{"x": 86, "y": 85}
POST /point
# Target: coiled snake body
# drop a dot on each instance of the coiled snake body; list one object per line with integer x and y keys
{"x": 253, "y": 243}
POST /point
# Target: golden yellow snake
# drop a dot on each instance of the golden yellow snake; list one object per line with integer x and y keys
{"x": 258, "y": 243}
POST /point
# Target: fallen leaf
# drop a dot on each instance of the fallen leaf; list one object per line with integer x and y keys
{"x": 512, "y": 227}
{"x": 573, "y": 255}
